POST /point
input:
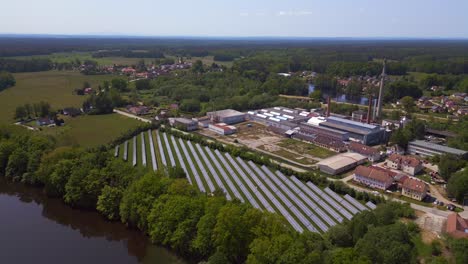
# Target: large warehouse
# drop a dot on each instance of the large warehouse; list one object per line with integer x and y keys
{"x": 428, "y": 149}
{"x": 227, "y": 116}
{"x": 341, "y": 163}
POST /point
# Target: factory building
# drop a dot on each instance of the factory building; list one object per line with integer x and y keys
{"x": 360, "y": 132}
{"x": 227, "y": 116}
{"x": 428, "y": 149}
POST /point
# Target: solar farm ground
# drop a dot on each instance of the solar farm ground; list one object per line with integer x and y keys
{"x": 304, "y": 205}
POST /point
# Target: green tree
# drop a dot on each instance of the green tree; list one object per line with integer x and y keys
{"x": 458, "y": 185}
{"x": 407, "y": 103}
{"x": 21, "y": 113}
{"x": 6, "y": 80}
{"x": 119, "y": 84}
{"x": 139, "y": 198}
{"x": 144, "y": 84}
{"x": 109, "y": 201}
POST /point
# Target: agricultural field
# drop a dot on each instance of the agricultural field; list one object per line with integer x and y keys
{"x": 91, "y": 130}
{"x": 54, "y": 87}
{"x": 304, "y": 205}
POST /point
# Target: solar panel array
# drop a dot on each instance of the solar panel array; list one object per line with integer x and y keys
{"x": 125, "y": 157}
{"x": 208, "y": 162}
{"x": 371, "y": 205}
{"x": 355, "y": 203}
{"x": 201, "y": 166}
{"x": 116, "y": 152}
{"x": 161, "y": 149}
{"x": 143, "y": 150}
{"x": 134, "y": 151}
{"x": 238, "y": 181}
{"x": 226, "y": 178}
{"x": 179, "y": 157}
{"x": 153, "y": 154}
{"x": 342, "y": 201}
{"x": 303, "y": 205}
{"x": 198, "y": 180}
{"x": 169, "y": 150}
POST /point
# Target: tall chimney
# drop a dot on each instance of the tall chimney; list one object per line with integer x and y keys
{"x": 379, "y": 105}
{"x": 369, "y": 110}
{"x": 328, "y": 106}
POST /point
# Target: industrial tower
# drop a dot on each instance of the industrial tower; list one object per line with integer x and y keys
{"x": 379, "y": 101}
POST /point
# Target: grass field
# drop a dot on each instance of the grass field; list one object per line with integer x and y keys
{"x": 306, "y": 148}
{"x": 91, "y": 130}
{"x": 55, "y": 87}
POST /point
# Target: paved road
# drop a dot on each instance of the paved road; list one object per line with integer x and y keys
{"x": 132, "y": 116}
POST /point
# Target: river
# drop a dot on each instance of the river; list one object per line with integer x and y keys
{"x": 38, "y": 229}
{"x": 342, "y": 98}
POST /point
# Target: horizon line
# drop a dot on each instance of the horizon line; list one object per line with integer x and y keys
{"x": 122, "y": 35}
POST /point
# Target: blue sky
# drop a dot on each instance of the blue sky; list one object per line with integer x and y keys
{"x": 299, "y": 18}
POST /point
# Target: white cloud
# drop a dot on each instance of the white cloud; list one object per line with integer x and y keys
{"x": 244, "y": 14}
{"x": 294, "y": 13}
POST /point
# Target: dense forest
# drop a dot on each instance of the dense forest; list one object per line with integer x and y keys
{"x": 334, "y": 56}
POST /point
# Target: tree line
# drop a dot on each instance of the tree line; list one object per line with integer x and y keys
{"x": 6, "y": 80}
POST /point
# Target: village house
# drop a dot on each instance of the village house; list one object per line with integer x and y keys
{"x": 409, "y": 165}
{"x": 372, "y": 154}
{"x": 414, "y": 189}
{"x": 138, "y": 110}
{"x": 45, "y": 121}
{"x": 373, "y": 177}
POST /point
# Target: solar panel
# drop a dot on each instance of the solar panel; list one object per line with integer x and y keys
{"x": 116, "y": 152}
{"x": 270, "y": 196}
{"x": 213, "y": 171}
{"x": 169, "y": 151}
{"x": 295, "y": 200}
{"x": 180, "y": 158}
{"x": 238, "y": 181}
{"x": 221, "y": 170}
{"x": 354, "y": 202}
{"x": 143, "y": 149}
{"x": 283, "y": 198}
{"x": 134, "y": 151}
{"x": 153, "y": 154}
{"x": 342, "y": 201}
{"x": 371, "y": 205}
{"x": 326, "y": 198}
{"x": 317, "y": 203}
{"x": 161, "y": 149}
{"x": 252, "y": 186}
{"x": 200, "y": 185}
{"x": 204, "y": 173}
{"x": 296, "y": 197}
{"x": 125, "y": 157}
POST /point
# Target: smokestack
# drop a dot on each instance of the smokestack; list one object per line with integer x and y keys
{"x": 369, "y": 110}
{"x": 379, "y": 105}
{"x": 328, "y": 106}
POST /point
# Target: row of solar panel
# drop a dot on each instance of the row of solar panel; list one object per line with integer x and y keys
{"x": 307, "y": 203}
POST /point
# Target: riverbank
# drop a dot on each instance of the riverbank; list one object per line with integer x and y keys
{"x": 36, "y": 228}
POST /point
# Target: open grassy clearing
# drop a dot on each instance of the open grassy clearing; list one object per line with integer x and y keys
{"x": 258, "y": 185}
{"x": 90, "y": 130}
{"x": 305, "y": 148}
{"x": 54, "y": 87}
